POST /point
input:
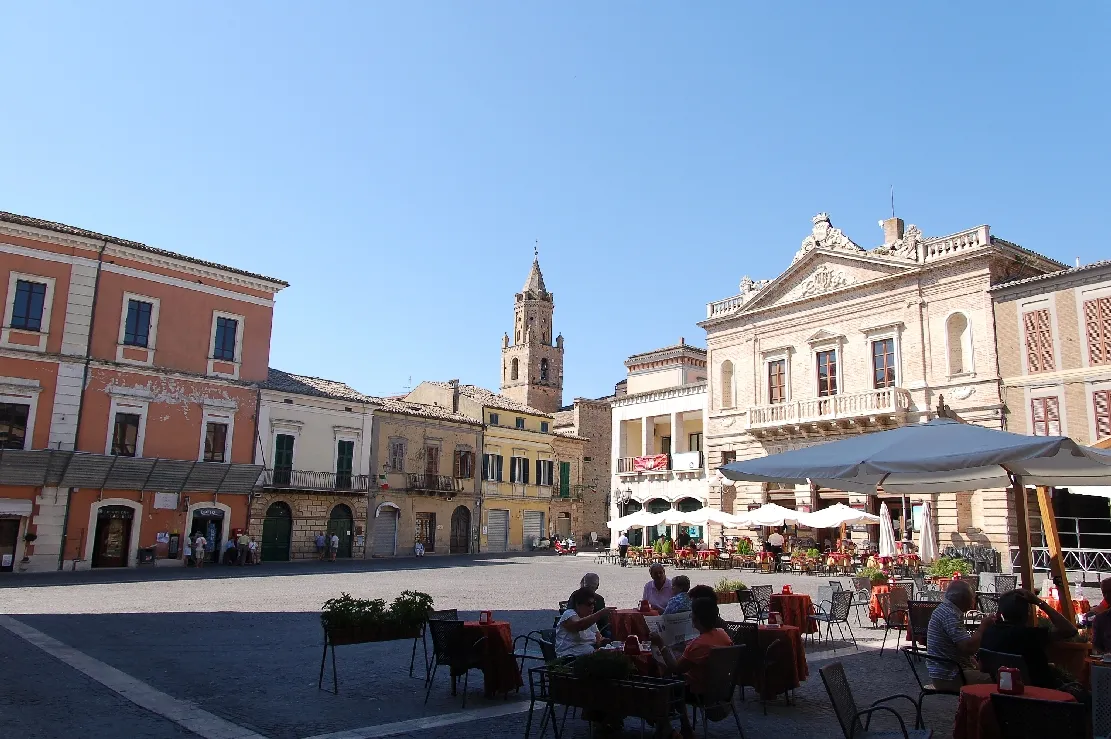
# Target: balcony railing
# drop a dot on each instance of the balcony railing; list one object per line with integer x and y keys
{"x": 435, "y": 483}
{"x": 645, "y": 463}
{"x": 308, "y": 480}
{"x": 888, "y": 401}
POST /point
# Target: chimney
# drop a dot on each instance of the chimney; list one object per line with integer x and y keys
{"x": 682, "y": 341}
{"x": 454, "y": 395}
{"x": 892, "y": 230}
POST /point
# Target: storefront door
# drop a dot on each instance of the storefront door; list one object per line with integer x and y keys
{"x": 426, "y": 531}
{"x": 341, "y": 523}
{"x": 277, "y": 528}
{"x": 9, "y": 534}
{"x": 460, "y": 530}
{"x": 209, "y": 523}
{"x": 113, "y": 536}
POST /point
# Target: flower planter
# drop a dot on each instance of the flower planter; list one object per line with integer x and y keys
{"x": 640, "y": 697}
{"x": 727, "y": 597}
{"x": 370, "y": 633}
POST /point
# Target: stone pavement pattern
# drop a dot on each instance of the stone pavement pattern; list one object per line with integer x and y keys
{"x": 245, "y": 644}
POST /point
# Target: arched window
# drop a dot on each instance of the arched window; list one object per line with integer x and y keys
{"x": 514, "y": 369}
{"x": 727, "y": 384}
{"x": 959, "y": 344}
{"x": 543, "y": 370}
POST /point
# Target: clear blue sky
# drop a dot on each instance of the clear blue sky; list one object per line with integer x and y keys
{"x": 395, "y": 162}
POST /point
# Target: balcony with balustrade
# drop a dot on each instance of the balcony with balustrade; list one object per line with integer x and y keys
{"x": 314, "y": 482}
{"x": 846, "y": 412}
{"x": 436, "y": 485}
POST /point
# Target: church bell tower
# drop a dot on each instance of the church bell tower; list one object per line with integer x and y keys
{"x": 532, "y": 360}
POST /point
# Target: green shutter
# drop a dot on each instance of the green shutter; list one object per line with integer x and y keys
{"x": 565, "y": 479}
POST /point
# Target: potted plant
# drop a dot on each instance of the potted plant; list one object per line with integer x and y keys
{"x": 943, "y": 568}
{"x": 606, "y": 682}
{"x": 875, "y": 575}
{"x": 349, "y": 620}
{"x": 726, "y": 590}
{"x": 744, "y": 547}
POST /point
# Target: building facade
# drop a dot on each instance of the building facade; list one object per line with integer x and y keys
{"x": 658, "y": 430}
{"x": 129, "y": 380}
{"x": 314, "y": 441}
{"x": 426, "y": 469}
{"x": 848, "y": 340}
{"x": 587, "y": 419}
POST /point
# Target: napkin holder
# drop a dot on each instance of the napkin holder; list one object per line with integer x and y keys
{"x": 645, "y": 607}
{"x": 787, "y": 590}
{"x": 632, "y": 644}
{"x": 1010, "y": 681}
{"x": 774, "y": 619}
{"x": 485, "y": 617}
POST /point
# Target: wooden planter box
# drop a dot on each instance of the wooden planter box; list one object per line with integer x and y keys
{"x": 729, "y": 597}
{"x": 641, "y": 697}
{"x": 363, "y": 634}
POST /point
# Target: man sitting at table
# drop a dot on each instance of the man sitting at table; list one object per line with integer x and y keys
{"x": 680, "y": 602}
{"x": 684, "y": 539}
{"x": 707, "y": 622}
{"x": 1011, "y": 634}
{"x": 590, "y": 581}
{"x": 658, "y": 591}
{"x": 577, "y": 630}
{"x": 775, "y": 546}
{"x": 947, "y": 638}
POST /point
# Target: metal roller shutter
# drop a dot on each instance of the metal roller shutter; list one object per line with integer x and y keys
{"x": 534, "y": 528}
{"x": 497, "y": 530}
{"x": 385, "y": 532}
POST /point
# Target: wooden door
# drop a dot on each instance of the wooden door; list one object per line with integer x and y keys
{"x": 460, "y": 530}
{"x": 277, "y": 529}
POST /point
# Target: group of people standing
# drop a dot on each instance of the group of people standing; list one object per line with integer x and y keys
{"x": 239, "y": 550}
{"x": 328, "y": 546}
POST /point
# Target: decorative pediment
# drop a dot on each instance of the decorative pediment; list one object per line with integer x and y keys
{"x": 820, "y": 272}
{"x": 824, "y": 337}
{"x": 825, "y": 235}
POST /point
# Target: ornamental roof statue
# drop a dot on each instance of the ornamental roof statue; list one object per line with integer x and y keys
{"x": 825, "y": 236}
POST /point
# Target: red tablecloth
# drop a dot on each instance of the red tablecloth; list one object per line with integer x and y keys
{"x": 629, "y": 621}
{"x": 975, "y": 718}
{"x": 1078, "y": 606}
{"x": 499, "y": 668}
{"x": 875, "y": 612}
{"x": 787, "y": 672}
{"x": 795, "y": 610}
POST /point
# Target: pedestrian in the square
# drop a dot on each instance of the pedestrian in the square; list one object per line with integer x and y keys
{"x": 320, "y": 545}
{"x": 252, "y": 553}
{"x": 335, "y": 546}
{"x": 243, "y": 545}
{"x": 623, "y": 547}
{"x": 198, "y": 549}
{"x": 188, "y": 553}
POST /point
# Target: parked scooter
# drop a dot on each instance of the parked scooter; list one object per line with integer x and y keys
{"x": 567, "y": 546}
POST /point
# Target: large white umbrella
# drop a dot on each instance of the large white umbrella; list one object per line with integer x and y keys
{"x": 769, "y": 514}
{"x": 702, "y": 517}
{"x": 637, "y": 520}
{"x": 836, "y": 515}
{"x": 887, "y": 533}
{"x": 927, "y": 537}
{"x": 1098, "y": 490}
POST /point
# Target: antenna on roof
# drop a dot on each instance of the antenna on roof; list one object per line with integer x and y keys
{"x": 892, "y": 201}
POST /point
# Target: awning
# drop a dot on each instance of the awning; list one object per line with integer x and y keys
{"x": 15, "y": 507}
{"x": 65, "y": 469}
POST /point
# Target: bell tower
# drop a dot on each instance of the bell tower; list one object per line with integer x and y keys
{"x": 532, "y": 360}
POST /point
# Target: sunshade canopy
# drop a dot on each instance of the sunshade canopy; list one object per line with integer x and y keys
{"x": 769, "y": 514}
{"x": 835, "y": 515}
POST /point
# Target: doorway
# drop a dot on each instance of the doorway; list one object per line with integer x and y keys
{"x": 277, "y": 528}
{"x": 209, "y": 523}
{"x": 563, "y": 526}
{"x": 341, "y": 523}
{"x": 460, "y": 530}
{"x": 9, "y": 535}
{"x": 385, "y": 531}
{"x": 426, "y": 531}
{"x": 113, "y": 536}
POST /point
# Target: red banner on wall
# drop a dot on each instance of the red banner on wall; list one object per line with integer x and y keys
{"x": 650, "y": 463}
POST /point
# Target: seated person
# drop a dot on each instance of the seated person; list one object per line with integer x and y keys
{"x": 946, "y": 637}
{"x": 657, "y": 591}
{"x": 1011, "y": 634}
{"x": 418, "y": 549}
{"x": 590, "y": 582}
{"x": 680, "y": 602}
{"x": 1105, "y": 605}
{"x": 577, "y": 630}
{"x": 707, "y": 622}
{"x": 702, "y": 591}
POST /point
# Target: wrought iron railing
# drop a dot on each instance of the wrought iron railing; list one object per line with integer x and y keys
{"x": 1081, "y": 560}
{"x": 309, "y": 480}
{"x": 435, "y": 483}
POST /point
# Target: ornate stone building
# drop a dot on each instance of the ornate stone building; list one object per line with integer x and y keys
{"x": 849, "y": 340}
{"x": 532, "y": 362}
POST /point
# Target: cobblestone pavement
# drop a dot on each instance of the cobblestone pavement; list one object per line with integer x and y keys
{"x": 245, "y": 645}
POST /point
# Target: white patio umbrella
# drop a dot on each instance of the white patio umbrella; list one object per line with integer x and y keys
{"x": 769, "y": 514}
{"x": 701, "y": 517}
{"x": 836, "y": 515}
{"x": 927, "y": 537}
{"x": 887, "y": 532}
{"x": 1098, "y": 490}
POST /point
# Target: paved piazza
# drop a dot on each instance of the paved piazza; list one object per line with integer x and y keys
{"x": 235, "y": 652}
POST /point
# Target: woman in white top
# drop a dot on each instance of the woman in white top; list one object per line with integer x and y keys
{"x": 577, "y": 631}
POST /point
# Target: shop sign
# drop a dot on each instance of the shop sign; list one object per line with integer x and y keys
{"x": 165, "y": 501}
{"x": 119, "y": 512}
{"x": 208, "y": 513}
{"x": 6, "y": 561}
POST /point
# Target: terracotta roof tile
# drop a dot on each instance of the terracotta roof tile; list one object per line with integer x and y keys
{"x": 287, "y": 382}
{"x": 409, "y": 408}
{"x": 492, "y": 399}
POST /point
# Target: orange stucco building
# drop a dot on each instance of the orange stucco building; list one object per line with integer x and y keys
{"x": 128, "y": 397}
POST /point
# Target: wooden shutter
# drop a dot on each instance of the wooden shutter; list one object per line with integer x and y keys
{"x": 1046, "y": 415}
{"x": 485, "y": 466}
{"x": 456, "y": 470}
{"x": 1097, "y": 329}
{"x": 565, "y": 479}
{"x": 1101, "y": 402}
{"x": 1039, "y": 341}
{"x": 524, "y": 470}
{"x": 539, "y": 472}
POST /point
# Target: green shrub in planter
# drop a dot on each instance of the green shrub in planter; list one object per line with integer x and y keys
{"x": 603, "y": 665}
{"x": 946, "y": 567}
{"x": 874, "y": 574}
{"x": 725, "y": 585}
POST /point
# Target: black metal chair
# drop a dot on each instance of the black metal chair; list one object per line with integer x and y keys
{"x": 990, "y": 662}
{"x": 1031, "y": 718}
{"x": 849, "y": 715}
{"x": 926, "y": 689}
{"x": 862, "y": 597}
{"x": 1005, "y": 583}
{"x": 721, "y": 671}
{"x": 448, "y": 614}
{"x": 775, "y": 669}
{"x": 544, "y": 639}
{"x": 919, "y": 613}
{"x": 744, "y": 634}
{"x": 750, "y": 608}
{"x": 987, "y": 603}
{"x": 451, "y": 647}
{"x": 836, "y": 585}
{"x": 559, "y": 612}
{"x": 840, "y": 605}
{"x": 763, "y": 596}
{"x": 894, "y": 605}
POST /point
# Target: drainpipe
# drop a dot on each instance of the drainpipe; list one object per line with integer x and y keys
{"x": 254, "y": 450}
{"x": 81, "y": 402}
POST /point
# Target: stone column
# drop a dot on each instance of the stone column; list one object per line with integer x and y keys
{"x": 645, "y": 436}
{"x": 677, "y": 433}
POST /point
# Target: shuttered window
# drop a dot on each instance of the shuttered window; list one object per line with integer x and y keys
{"x": 1046, "y": 413}
{"x": 464, "y": 464}
{"x": 397, "y": 455}
{"x": 545, "y": 472}
{"x": 492, "y": 467}
{"x": 777, "y": 381}
{"x": 518, "y": 470}
{"x": 1039, "y": 341}
{"x": 1101, "y": 405}
{"x": 565, "y": 479}
{"x": 1097, "y": 328}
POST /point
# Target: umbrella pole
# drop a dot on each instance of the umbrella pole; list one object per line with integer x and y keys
{"x": 1056, "y": 561}
{"x": 1025, "y": 559}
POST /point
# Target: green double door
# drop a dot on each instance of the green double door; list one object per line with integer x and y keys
{"x": 277, "y": 529}
{"x": 342, "y": 524}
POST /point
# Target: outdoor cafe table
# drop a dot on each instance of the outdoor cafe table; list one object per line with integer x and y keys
{"x": 628, "y": 621}
{"x": 785, "y": 675}
{"x": 975, "y": 717}
{"x": 795, "y": 610}
{"x": 875, "y": 611}
{"x": 1080, "y": 606}
{"x": 499, "y": 668}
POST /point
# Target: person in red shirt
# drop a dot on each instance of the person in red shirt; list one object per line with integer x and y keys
{"x": 707, "y": 622}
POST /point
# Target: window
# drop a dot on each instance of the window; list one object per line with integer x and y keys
{"x": 223, "y": 348}
{"x": 518, "y": 470}
{"x": 1097, "y": 330}
{"x": 565, "y": 479}
{"x": 694, "y": 442}
{"x": 492, "y": 467}
{"x": 545, "y": 472}
{"x": 30, "y": 298}
{"x": 397, "y": 455}
{"x": 1039, "y": 341}
{"x": 215, "y": 442}
{"x": 883, "y": 363}
{"x": 777, "y": 381}
{"x": 125, "y": 434}
{"x": 543, "y": 427}
{"x": 665, "y": 445}
{"x": 283, "y": 459}
{"x": 514, "y": 369}
{"x": 543, "y": 370}
{"x": 727, "y": 384}
{"x": 827, "y": 373}
{"x": 464, "y": 464}
{"x": 727, "y": 457}
{"x": 137, "y": 329}
{"x": 493, "y": 419}
{"x": 956, "y": 333}
{"x": 13, "y": 425}
{"x": 432, "y": 460}
{"x": 345, "y": 462}
{"x": 1101, "y": 404}
{"x": 1046, "y": 416}
{"x": 520, "y": 423}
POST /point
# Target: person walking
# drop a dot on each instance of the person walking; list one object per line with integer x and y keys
{"x": 198, "y": 549}
{"x": 243, "y": 543}
{"x": 320, "y": 546}
{"x": 335, "y": 546}
{"x": 623, "y": 547}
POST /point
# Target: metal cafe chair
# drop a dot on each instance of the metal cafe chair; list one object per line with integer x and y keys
{"x": 1027, "y": 718}
{"x": 926, "y": 689}
{"x": 717, "y": 701}
{"x": 448, "y": 614}
{"x": 990, "y": 662}
{"x": 849, "y": 715}
{"x": 895, "y": 607}
{"x": 450, "y": 647}
{"x": 744, "y": 634}
{"x": 840, "y": 605}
